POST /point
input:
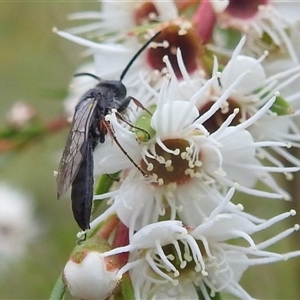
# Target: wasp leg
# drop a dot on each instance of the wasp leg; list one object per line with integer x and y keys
{"x": 136, "y": 102}
{"x": 120, "y": 117}
{"x": 124, "y": 104}
{"x": 112, "y": 134}
{"x": 113, "y": 178}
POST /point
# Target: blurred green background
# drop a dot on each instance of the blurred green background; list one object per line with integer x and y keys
{"x": 36, "y": 66}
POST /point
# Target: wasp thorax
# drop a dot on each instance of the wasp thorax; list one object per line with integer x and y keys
{"x": 173, "y": 162}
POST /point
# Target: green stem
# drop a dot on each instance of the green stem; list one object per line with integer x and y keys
{"x": 104, "y": 184}
{"x": 59, "y": 289}
{"x": 127, "y": 288}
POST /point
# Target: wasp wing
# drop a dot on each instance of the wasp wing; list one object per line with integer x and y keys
{"x": 74, "y": 149}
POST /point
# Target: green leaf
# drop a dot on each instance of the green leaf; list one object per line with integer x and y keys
{"x": 105, "y": 183}
{"x": 143, "y": 131}
{"x": 189, "y": 11}
{"x": 230, "y": 37}
{"x": 267, "y": 39}
{"x": 59, "y": 290}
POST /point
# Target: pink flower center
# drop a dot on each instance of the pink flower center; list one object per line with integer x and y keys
{"x": 189, "y": 44}
{"x": 244, "y": 9}
{"x": 170, "y": 167}
{"x": 214, "y": 122}
{"x": 145, "y": 13}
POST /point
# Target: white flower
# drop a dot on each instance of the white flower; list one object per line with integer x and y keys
{"x": 182, "y": 160}
{"x": 254, "y": 91}
{"x": 126, "y": 15}
{"x": 201, "y": 131}
{"x": 174, "y": 32}
{"x": 18, "y": 227}
{"x": 104, "y": 66}
{"x": 167, "y": 258}
{"x": 20, "y": 114}
{"x": 256, "y": 18}
{"x": 288, "y": 9}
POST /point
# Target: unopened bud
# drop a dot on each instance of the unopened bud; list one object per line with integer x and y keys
{"x": 88, "y": 275}
{"x": 20, "y": 114}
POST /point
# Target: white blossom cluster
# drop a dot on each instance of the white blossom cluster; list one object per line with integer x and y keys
{"x": 218, "y": 105}
{"x": 18, "y": 225}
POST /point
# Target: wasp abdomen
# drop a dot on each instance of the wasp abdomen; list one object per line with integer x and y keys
{"x": 82, "y": 188}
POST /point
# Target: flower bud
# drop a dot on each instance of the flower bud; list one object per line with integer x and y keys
{"x": 20, "y": 114}
{"x": 88, "y": 275}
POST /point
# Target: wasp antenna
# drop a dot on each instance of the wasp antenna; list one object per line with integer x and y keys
{"x": 88, "y": 74}
{"x": 136, "y": 56}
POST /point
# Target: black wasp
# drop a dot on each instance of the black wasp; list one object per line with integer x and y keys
{"x": 89, "y": 127}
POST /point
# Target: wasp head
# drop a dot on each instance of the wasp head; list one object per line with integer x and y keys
{"x": 113, "y": 93}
